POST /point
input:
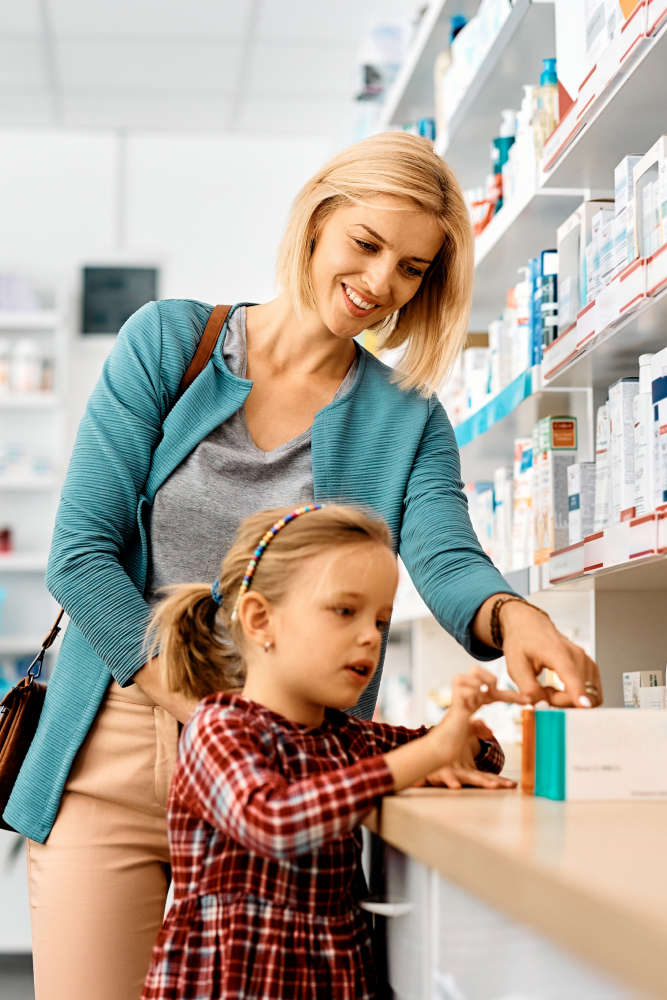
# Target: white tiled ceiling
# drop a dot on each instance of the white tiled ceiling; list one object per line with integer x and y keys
{"x": 279, "y": 66}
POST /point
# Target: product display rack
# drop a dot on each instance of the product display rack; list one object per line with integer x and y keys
{"x": 30, "y": 498}
{"x": 605, "y": 604}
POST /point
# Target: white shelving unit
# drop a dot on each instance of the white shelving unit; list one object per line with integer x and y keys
{"x": 32, "y": 423}
{"x": 608, "y": 608}
{"x": 525, "y": 39}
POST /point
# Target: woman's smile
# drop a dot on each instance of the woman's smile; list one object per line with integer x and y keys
{"x": 357, "y": 303}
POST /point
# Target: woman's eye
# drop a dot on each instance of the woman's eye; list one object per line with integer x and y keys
{"x": 368, "y": 247}
{"x": 414, "y": 272}
{"x": 344, "y": 612}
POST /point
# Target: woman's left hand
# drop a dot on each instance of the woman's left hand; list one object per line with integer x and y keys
{"x": 532, "y": 642}
{"x": 464, "y": 771}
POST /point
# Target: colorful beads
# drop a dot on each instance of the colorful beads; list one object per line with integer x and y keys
{"x": 261, "y": 548}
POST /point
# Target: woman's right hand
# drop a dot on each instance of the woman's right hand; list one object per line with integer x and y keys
{"x": 445, "y": 743}
{"x": 149, "y": 679}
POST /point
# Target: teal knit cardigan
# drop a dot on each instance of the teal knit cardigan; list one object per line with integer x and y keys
{"x": 378, "y": 446}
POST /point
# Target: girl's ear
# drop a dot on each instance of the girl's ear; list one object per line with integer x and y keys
{"x": 255, "y": 613}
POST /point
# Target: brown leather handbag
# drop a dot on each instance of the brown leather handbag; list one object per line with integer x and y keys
{"x": 22, "y": 706}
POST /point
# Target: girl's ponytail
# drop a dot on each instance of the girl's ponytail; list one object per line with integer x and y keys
{"x": 195, "y": 657}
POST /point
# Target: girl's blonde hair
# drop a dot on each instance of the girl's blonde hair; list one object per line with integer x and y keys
{"x": 432, "y": 326}
{"x": 200, "y": 647}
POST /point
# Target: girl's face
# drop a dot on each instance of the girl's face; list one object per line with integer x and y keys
{"x": 325, "y": 635}
{"x": 369, "y": 260}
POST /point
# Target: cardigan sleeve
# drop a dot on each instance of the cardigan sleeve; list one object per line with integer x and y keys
{"x": 97, "y": 515}
{"x": 437, "y": 541}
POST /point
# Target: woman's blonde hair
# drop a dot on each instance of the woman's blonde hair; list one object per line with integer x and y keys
{"x": 433, "y": 325}
{"x": 200, "y": 647}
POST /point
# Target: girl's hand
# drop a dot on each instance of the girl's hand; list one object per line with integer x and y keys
{"x": 532, "y": 642}
{"x": 447, "y": 743}
{"x": 464, "y": 771}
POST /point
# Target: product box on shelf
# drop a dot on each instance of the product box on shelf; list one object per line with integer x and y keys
{"x": 572, "y": 238}
{"x": 609, "y": 754}
{"x": 556, "y": 450}
{"x": 622, "y": 444}
{"x": 650, "y": 186}
{"x": 602, "y": 511}
{"x": 635, "y": 680}
{"x": 624, "y": 194}
{"x": 580, "y": 501}
{"x": 522, "y": 507}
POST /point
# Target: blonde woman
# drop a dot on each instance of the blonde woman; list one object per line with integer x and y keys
{"x": 288, "y": 409}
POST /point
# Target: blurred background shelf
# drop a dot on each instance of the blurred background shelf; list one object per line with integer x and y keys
{"x": 23, "y": 562}
{"x": 27, "y": 484}
{"x": 526, "y": 38}
{"x": 626, "y": 119}
{"x": 42, "y": 319}
{"x": 29, "y": 401}
{"x": 411, "y": 94}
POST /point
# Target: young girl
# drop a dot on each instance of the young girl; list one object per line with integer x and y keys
{"x": 272, "y": 783}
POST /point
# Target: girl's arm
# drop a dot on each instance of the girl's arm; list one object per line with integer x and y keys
{"x": 225, "y": 776}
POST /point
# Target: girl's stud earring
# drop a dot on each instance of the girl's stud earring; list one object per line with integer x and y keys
{"x": 267, "y": 646}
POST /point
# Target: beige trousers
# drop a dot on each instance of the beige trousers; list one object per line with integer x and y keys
{"x": 98, "y": 885}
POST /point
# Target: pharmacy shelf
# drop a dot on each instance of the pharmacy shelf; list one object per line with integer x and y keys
{"x": 615, "y": 355}
{"x": 515, "y": 58}
{"x": 29, "y": 401}
{"x": 627, "y": 118}
{"x": 523, "y": 227}
{"x": 23, "y": 562}
{"x": 649, "y": 573}
{"x": 27, "y": 484}
{"x": 41, "y": 319}
{"x": 411, "y": 94}
{"x": 498, "y": 425}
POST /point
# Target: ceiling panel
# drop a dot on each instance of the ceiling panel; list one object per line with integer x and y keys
{"x": 294, "y": 117}
{"x": 325, "y": 20}
{"x": 301, "y": 70}
{"x": 20, "y": 16}
{"x": 146, "y": 112}
{"x": 21, "y": 63}
{"x": 228, "y": 19}
{"x": 148, "y": 66}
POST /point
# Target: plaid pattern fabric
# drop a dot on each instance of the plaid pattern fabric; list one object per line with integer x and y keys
{"x": 266, "y": 856}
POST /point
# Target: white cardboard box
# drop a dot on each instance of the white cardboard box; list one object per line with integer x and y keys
{"x": 613, "y": 753}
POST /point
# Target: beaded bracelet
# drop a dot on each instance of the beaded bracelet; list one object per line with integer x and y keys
{"x": 496, "y": 632}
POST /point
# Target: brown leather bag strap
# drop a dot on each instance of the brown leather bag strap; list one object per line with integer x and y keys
{"x": 205, "y": 349}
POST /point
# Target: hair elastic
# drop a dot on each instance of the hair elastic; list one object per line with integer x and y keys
{"x": 217, "y": 594}
{"x": 261, "y": 548}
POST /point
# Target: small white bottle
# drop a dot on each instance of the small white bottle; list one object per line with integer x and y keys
{"x": 26, "y": 366}
{"x": 642, "y": 413}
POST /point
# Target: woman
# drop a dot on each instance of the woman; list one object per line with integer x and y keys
{"x": 288, "y": 409}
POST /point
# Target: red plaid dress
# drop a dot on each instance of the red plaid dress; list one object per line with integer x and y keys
{"x": 265, "y": 843}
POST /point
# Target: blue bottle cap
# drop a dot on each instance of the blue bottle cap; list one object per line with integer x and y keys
{"x": 549, "y": 74}
{"x": 457, "y": 22}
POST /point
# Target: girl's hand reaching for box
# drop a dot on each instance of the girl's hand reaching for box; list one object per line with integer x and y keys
{"x": 445, "y": 752}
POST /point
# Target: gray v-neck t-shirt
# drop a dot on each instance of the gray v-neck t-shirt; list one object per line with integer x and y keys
{"x": 199, "y": 508}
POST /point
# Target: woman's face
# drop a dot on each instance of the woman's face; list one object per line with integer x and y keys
{"x": 369, "y": 260}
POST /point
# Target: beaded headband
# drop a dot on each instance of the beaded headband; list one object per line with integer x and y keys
{"x": 261, "y": 548}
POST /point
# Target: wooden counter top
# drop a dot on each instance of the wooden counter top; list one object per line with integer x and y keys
{"x": 590, "y": 875}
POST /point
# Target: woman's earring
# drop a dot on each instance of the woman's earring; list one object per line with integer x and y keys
{"x": 267, "y": 646}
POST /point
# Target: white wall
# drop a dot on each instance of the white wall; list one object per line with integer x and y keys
{"x": 208, "y": 209}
